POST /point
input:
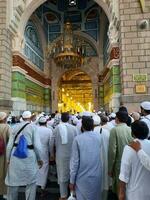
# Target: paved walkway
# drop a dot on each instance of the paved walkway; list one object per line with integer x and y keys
{"x": 52, "y": 192}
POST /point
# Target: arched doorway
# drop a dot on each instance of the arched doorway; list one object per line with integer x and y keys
{"x": 75, "y": 92}
{"x": 48, "y": 21}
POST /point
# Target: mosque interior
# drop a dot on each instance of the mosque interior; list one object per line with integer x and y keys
{"x": 88, "y": 38}
{"x": 74, "y": 55}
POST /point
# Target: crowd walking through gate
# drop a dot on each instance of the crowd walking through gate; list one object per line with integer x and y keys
{"x": 97, "y": 156}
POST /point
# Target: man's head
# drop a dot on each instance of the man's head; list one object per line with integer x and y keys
{"x": 145, "y": 108}
{"x": 3, "y": 117}
{"x": 136, "y": 116}
{"x": 87, "y": 123}
{"x": 42, "y": 121}
{"x": 26, "y": 115}
{"x": 104, "y": 119}
{"x": 97, "y": 120}
{"x": 65, "y": 117}
{"x": 121, "y": 117}
{"x": 123, "y": 109}
{"x": 139, "y": 130}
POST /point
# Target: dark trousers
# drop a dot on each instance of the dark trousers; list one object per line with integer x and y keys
{"x": 112, "y": 196}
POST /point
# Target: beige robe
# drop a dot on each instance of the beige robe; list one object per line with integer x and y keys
{"x": 4, "y": 132}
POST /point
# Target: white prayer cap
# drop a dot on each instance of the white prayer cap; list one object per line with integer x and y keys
{"x": 26, "y": 114}
{"x": 112, "y": 115}
{"x": 75, "y": 120}
{"x": 87, "y": 114}
{"x": 145, "y": 105}
{"x": 3, "y": 115}
{"x": 99, "y": 112}
{"x": 47, "y": 117}
{"x": 42, "y": 119}
{"x": 97, "y": 120}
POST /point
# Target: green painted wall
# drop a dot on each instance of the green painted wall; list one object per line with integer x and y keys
{"x": 34, "y": 94}
{"x": 116, "y": 80}
{"x": 18, "y": 85}
{"x": 111, "y": 86}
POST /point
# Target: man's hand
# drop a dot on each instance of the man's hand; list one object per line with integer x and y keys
{"x": 122, "y": 190}
{"x": 72, "y": 187}
{"x": 40, "y": 164}
{"x": 135, "y": 145}
{"x": 122, "y": 197}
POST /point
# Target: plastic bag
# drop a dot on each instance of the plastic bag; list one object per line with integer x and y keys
{"x": 71, "y": 197}
{"x": 21, "y": 150}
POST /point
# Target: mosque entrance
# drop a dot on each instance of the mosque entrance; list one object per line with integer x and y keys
{"x": 75, "y": 92}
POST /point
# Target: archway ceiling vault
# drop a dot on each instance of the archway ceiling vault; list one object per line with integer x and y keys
{"x": 23, "y": 10}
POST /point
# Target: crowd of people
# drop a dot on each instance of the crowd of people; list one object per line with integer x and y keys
{"x": 98, "y": 156}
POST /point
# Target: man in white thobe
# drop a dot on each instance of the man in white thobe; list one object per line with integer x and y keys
{"x": 86, "y": 165}
{"x": 144, "y": 157}
{"x": 45, "y": 135}
{"x": 145, "y": 110}
{"x": 23, "y": 172}
{"x": 134, "y": 177}
{"x": 62, "y": 139}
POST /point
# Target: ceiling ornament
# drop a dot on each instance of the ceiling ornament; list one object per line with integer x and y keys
{"x": 67, "y": 52}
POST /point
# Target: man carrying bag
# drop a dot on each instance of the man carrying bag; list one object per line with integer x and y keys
{"x": 22, "y": 169}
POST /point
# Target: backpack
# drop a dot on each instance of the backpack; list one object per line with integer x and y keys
{"x": 21, "y": 150}
{"x": 2, "y": 146}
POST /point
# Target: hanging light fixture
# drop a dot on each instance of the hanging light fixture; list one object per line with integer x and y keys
{"x": 66, "y": 52}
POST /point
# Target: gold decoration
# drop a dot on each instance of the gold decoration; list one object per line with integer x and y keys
{"x": 65, "y": 52}
{"x": 140, "y": 89}
{"x": 142, "y": 5}
{"x": 140, "y": 77}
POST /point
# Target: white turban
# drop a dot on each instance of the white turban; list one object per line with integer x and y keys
{"x": 87, "y": 114}
{"x": 145, "y": 105}
{"x": 42, "y": 119}
{"x": 97, "y": 120}
{"x": 112, "y": 115}
{"x": 74, "y": 120}
{"x": 26, "y": 114}
{"x": 3, "y": 115}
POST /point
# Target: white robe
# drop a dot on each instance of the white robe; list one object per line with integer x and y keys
{"x": 63, "y": 151}
{"x": 134, "y": 174}
{"x": 86, "y": 167}
{"x": 45, "y": 135}
{"x": 105, "y": 133}
{"x": 146, "y": 119}
{"x": 144, "y": 159}
{"x": 23, "y": 171}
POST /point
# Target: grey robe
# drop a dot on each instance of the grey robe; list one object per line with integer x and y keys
{"x": 63, "y": 152}
{"x": 23, "y": 171}
{"x": 86, "y": 167}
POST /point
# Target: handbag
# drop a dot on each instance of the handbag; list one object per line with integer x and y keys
{"x": 21, "y": 150}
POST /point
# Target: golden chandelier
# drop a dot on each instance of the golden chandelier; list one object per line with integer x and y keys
{"x": 66, "y": 52}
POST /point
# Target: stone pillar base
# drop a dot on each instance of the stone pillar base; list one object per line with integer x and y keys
{"x": 19, "y": 105}
{"x": 5, "y": 105}
{"x": 115, "y": 103}
{"x": 133, "y": 102}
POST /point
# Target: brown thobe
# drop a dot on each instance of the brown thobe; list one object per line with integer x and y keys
{"x": 4, "y": 132}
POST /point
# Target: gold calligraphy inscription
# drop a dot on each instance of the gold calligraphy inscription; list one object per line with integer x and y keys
{"x": 140, "y": 77}
{"x": 140, "y": 89}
